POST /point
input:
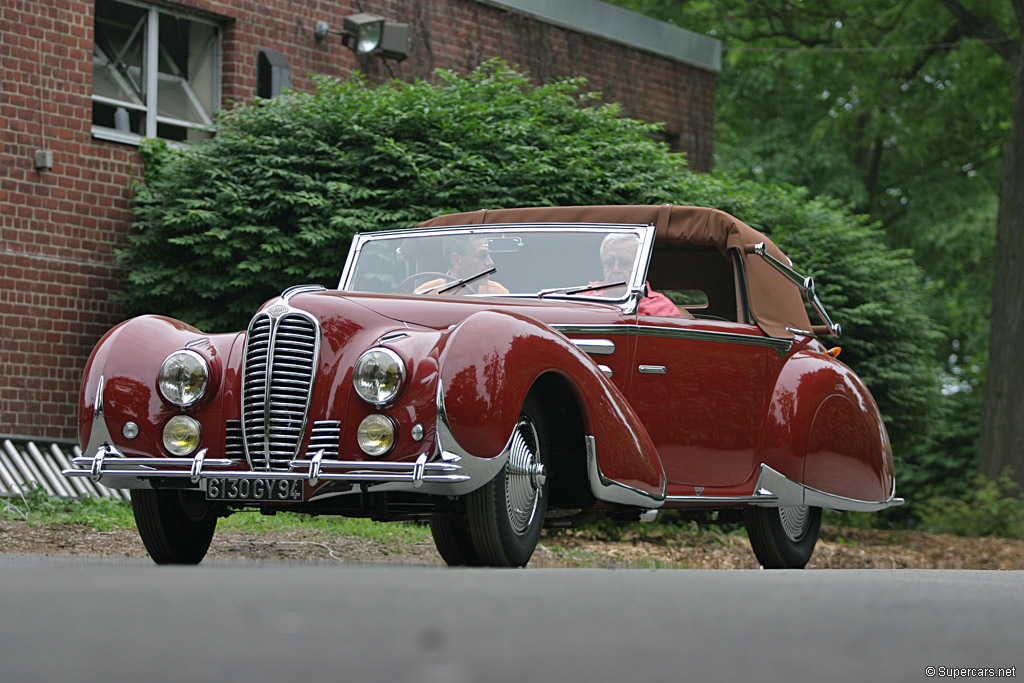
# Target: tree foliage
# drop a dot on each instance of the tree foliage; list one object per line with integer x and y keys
{"x": 275, "y": 198}
{"x": 900, "y": 108}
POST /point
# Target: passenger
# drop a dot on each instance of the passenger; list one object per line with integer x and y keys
{"x": 618, "y": 252}
{"x": 466, "y": 256}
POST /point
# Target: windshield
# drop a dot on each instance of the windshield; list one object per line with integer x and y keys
{"x": 599, "y": 262}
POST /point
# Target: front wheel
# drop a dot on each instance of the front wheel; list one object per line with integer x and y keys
{"x": 454, "y": 542}
{"x": 505, "y": 516}
{"x": 176, "y": 526}
{"x": 783, "y": 537}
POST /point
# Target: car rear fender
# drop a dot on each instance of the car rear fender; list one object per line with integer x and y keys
{"x": 823, "y": 430}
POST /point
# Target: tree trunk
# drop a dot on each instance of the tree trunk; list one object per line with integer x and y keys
{"x": 1002, "y": 428}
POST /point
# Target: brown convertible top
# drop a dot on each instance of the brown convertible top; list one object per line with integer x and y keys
{"x": 775, "y": 302}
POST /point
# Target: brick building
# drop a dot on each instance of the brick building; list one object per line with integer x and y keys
{"x": 74, "y": 104}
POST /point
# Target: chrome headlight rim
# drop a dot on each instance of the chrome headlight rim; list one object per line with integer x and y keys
{"x": 191, "y": 424}
{"x": 204, "y": 367}
{"x": 380, "y": 399}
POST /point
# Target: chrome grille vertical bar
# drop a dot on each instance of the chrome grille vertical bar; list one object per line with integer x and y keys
{"x": 267, "y": 384}
{"x": 278, "y": 372}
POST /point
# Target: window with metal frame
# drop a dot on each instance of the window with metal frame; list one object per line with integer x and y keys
{"x": 155, "y": 73}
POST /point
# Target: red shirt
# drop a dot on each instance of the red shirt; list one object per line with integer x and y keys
{"x": 656, "y": 303}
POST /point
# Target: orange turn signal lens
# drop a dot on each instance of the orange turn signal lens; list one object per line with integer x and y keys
{"x": 835, "y": 351}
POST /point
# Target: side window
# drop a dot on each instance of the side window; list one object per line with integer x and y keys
{"x": 700, "y": 280}
{"x": 155, "y": 73}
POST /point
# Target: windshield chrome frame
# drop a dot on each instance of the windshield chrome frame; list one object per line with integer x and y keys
{"x": 628, "y": 302}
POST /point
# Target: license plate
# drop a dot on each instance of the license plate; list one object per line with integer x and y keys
{"x": 225, "y": 489}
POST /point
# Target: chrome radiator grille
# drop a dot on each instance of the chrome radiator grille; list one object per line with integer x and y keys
{"x": 280, "y": 362}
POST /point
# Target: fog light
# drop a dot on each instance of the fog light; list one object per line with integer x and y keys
{"x": 182, "y": 434}
{"x": 376, "y": 434}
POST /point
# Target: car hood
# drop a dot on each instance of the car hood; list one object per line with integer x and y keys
{"x": 440, "y": 313}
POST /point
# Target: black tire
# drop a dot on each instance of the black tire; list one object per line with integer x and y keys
{"x": 506, "y": 515}
{"x": 783, "y": 537}
{"x": 453, "y": 541}
{"x": 176, "y": 526}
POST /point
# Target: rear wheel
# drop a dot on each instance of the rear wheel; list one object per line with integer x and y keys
{"x": 506, "y": 515}
{"x": 783, "y": 537}
{"x": 176, "y": 526}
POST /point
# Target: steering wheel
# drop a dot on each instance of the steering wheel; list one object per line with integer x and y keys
{"x": 424, "y": 273}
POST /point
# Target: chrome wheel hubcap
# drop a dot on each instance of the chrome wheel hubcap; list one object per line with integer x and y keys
{"x": 795, "y": 520}
{"x": 524, "y": 477}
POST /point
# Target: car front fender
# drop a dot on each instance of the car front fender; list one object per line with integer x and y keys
{"x": 492, "y": 360}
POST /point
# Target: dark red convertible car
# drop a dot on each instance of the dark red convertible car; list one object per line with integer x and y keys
{"x": 495, "y": 372}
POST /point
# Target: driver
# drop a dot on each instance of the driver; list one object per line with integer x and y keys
{"x": 466, "y": 255}
{"x": 618, "y": 252}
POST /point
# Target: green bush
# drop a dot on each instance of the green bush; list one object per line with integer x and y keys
{"x": 993, "y": 509}
{"x": 275, "y": 198}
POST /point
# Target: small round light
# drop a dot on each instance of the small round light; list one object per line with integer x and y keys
{"x": 417, "y": 432}
{"x": 130, "y": 430}
{"x": 376, "y": 434}
{"x": 377, "y": 375}
{"x": 183, "y": 377}
{"x": 182, "y": 435}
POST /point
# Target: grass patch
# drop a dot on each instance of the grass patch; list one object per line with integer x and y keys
{"x": 381, "y": 532}
{"x": 38, "y": 508}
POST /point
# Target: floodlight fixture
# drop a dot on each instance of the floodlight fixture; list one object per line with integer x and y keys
{"x": 361, "y": 33}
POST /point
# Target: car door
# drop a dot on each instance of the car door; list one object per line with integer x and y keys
{"x": 699, "y": 386}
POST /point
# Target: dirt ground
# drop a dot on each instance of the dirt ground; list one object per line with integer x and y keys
{"x": 837, "y": 548}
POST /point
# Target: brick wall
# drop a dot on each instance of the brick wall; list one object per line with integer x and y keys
{"x": 59, "y": 228}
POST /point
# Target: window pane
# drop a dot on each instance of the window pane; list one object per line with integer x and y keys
{"x": 186, "y": 72}
{"x": 119, "y": 118}
{"x": 118, "y": 53}
{"x": 188, "y": 61}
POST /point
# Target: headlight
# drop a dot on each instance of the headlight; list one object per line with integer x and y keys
{"x": 182, "y": 435}
{"x": 183, "y": 377}
{"x": 376, "y": 434}
{"x": 377, "y": 375}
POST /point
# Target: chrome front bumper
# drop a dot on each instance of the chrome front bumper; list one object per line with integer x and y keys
{"x": 111, "y": 468}
{"x": 448, "y": 470}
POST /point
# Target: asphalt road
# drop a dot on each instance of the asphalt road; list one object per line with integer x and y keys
{"x": 73, "y": 619}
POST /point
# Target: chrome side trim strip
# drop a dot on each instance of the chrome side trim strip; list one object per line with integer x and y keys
{"x": 595, "y": 347}
{"x": 606, "y": 370}
{"x": 789, "y": 492}
{"x": 612, "y": 491}
{"x": 780, "y": 345}
{"x": 776, "y": 490}
{"x": 712, "y": 501}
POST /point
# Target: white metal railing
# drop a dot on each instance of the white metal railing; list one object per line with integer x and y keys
{"x": 24, "y": 464}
